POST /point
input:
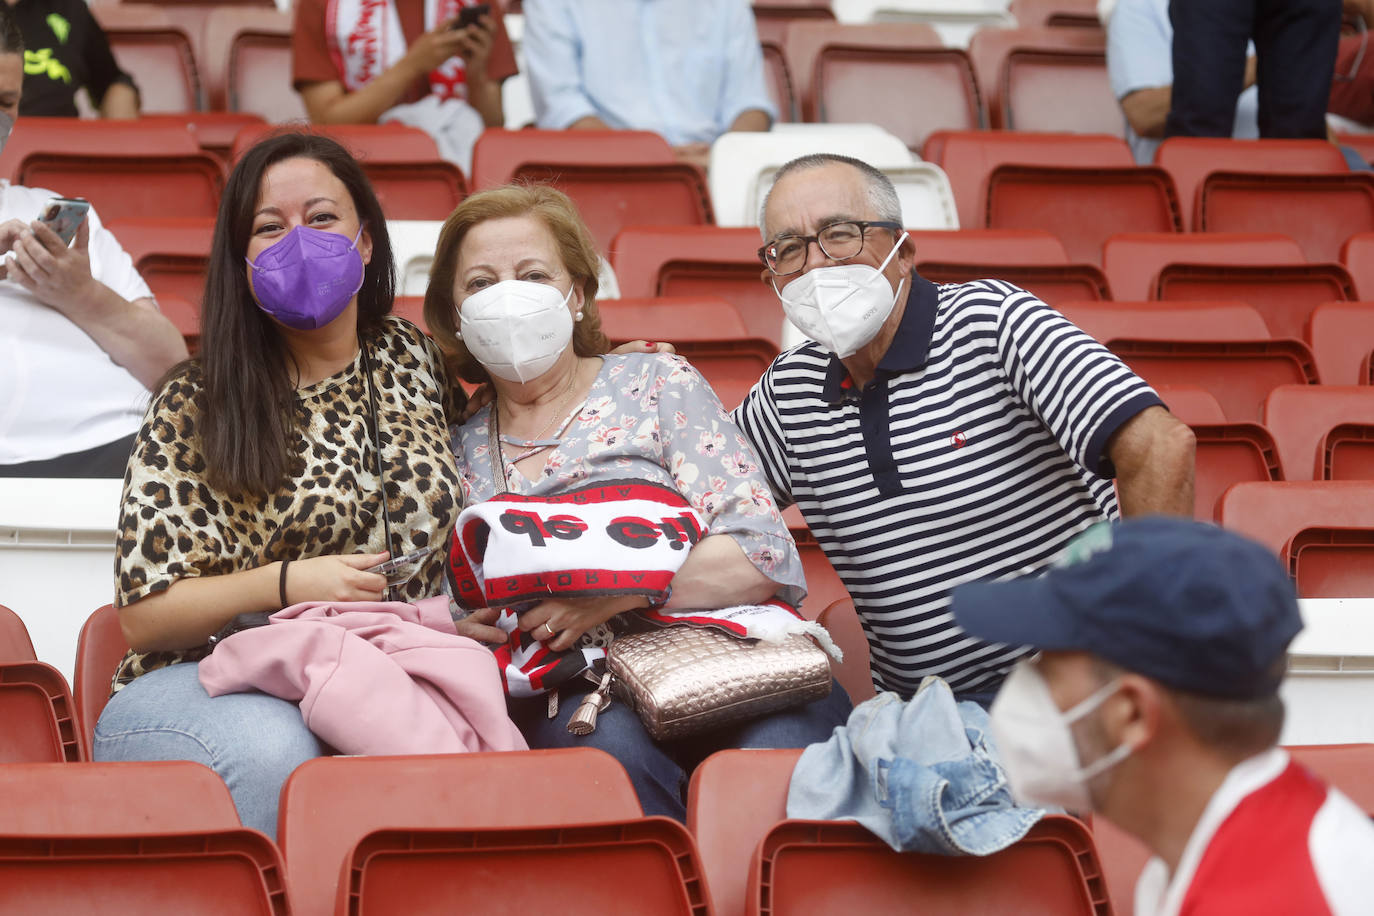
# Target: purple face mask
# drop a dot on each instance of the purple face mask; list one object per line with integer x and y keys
{"x": 307, "y": 278}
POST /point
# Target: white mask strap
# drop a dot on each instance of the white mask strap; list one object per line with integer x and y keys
{"x": 893, "y": 253}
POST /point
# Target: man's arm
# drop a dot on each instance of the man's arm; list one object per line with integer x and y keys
{"x": 135, "y": 334}
{"x": 1153, "y": 453}
{"x": 1148, "y": 109}
{"x": 120, "y": 102}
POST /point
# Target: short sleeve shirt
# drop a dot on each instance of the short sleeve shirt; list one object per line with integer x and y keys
{"x": 64, "y": 50}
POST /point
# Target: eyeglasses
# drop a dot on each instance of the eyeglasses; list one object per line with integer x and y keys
{"x": 838, "y": 241}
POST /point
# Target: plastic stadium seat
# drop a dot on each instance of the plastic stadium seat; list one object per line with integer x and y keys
{"x": 969, "y": 157}
{"x": 1058, "y": 13}
{"x": 1348, "y": 767}
{"x": 774, "y": 17}
{"x": 1284, "y": 295}
{"x": 1222, "y": 347}
{"x": 777, "y": 76}
{"x": 1082, "y": 206}
{"x": 707, "y": 331}
{"x": 989, "y": 246}
{"x": 823, "y": 585}
{"x": 499, "y": 154}
{"x": 1048, "y": 62}
{"x": 403, "y": 163}
{"x": 151, "y": 136}
{"x": 1302, "y": 417}
{"x": 1358, "y": 257}
{"x": 1348, "y": 452}
{"x": 213, "y": 131}
{"x": 611, "y": 197}
{"x": 1052, "y": 283}
{"x": 412, "y": 246}
{"x": 1191, "y": 159}
{"x": 867, "y": 73}
{"x": 1363, "y": 144}
{"x": 15, "y": 644}
{"x": 1321, "y": 529}
{"x": 99, "y": 650}
{"x": 1191, "y": 404}
{"x": 323, "y": 814}
{"x": 37, "y": 711}
{"x": 1341, "y": 335}
{"x": 815, "y": 867}
{"x": 1226, "y": 454}
{"x": 172, "y": 256}
{"x": 1123, "y": 858}
{"x": 156, "y": 53}
{"x": 1319, "y": 211}
{"x": 646, "y": 865}
{"x": 853, "y": 673}
{"x": 248, "y": 62}
{"x": 127, "y": 183}
{"x": 1133, "y": 259}
{"x": 729, "y": 823}
{"x": 741, "y": 159}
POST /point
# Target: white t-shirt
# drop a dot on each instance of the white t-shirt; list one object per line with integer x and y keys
{"x": 59, "y": 391}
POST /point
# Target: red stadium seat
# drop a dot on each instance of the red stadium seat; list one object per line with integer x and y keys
{"x": 172, "y": 256}
{"x": 411, "y": 308}
{"x": 1321, "y": 529}
{"x": 1222, "y": 347}
{"x": 150, "y": 136}
{"x": 1123, "y": 858}
{"x": 781, "y": 85}
{"x": 1363, "y": 144}
{"x": 37, "y": 711}
{"x": 1284, "y": 295}
{"x": 1341, "y": 335}
{"x": 1058, "y": 13}
{"x": 968, "y": 158}
{"x": 323, "y": 814}
{"x": 1133, "y": 259}
{"x": 156, "y": 53}
{"x": 122, "y": 184}
{"x": 853, "y": 673}
{"x": 814, "y": 867}
{"x": 1017, "y": 90}
{"x": 213, "y": 131}
{"x": 1191, "y": 159}
{"x": 248, "y": 57}
{"x": 15, "y": 644}
{"x": 729, "y": 823}
{"x": 706, "y": 331}
{"x": 1358, "y": 257}
{"x": 823, "y": 585}
{"x": 1302, "y": 417}
{"x": 1348, "y": 452}
{"x": 1052, "y": 283}
{"x": 865, "y": 73}
{"x": 99, "y": 650}
{"x": 1191, "y": 404}
{"x": 1319, "y": 211}
{"x": 774, "y": 17}
{"x": 1082, "y": 206}
{"x": 411, "y": 180}
{"x": 611, "y": 197}
{"x": 1226, "y": 454}
{"x": 499, "y": 154}
{"x": 1022, "y": 247}
{"x": 699, "y": 261}
{"x": 645, "y": 865}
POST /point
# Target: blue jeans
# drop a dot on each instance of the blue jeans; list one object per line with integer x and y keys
{"x": 252, "y": 740}
{"x": 659, "y": 770}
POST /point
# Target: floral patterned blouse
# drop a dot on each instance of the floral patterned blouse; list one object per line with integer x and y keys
{"x": 653, "y": 417}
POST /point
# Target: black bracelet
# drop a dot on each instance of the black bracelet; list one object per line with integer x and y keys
{"x": 281, "y": 583}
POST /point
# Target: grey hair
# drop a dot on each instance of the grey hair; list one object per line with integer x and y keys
{"x": 882, "y": 196}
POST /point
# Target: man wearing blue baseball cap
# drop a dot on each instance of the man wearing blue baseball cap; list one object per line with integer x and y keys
{"x": 1154, "y": 702}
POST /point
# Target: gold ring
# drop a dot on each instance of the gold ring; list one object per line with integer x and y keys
{"x": 552, "y": 631}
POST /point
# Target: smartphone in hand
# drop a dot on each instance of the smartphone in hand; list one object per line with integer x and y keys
{"x": 469, "y": 15}
{"x": 64, "y": 215}
{"x": 400, "y": 570}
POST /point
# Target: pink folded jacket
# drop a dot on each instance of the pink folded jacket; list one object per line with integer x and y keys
{"x": 373, "y": 677}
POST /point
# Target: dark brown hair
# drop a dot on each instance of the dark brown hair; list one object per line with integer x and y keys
{"x": 247, "y": 402}
{"x": 575, "y": 248}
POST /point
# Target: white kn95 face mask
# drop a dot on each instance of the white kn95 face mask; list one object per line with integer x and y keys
{"x": 516, "y": 329}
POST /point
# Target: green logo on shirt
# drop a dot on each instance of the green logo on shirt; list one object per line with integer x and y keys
{"x": 60, "y": 27}
{"x": 37, "y": 63}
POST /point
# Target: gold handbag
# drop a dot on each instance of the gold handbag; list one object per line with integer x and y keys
{"x": 682, "y": 680}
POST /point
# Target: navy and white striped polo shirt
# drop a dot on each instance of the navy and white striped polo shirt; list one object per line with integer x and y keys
{"x": 977, "y": 452}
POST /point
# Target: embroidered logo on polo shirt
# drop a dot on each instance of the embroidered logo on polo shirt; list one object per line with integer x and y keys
{"x": 958, "y": 440}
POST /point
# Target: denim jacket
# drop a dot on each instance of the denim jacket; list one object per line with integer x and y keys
{"x": 921, "y": 774}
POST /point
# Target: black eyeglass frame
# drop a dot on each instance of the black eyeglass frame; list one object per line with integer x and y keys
{"x": 863, "y": 224}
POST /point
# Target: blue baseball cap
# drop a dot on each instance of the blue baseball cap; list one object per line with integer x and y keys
{"x": 1190, "y": 605}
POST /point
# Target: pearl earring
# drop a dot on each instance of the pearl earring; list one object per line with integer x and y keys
{"x": 578, "y": 316}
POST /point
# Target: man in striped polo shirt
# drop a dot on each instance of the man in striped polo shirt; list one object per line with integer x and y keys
{"x": 936, "y": 435}
{"x": 1155, "y": 703}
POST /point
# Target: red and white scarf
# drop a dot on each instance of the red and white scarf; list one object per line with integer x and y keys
{"x": 365, "y": 39}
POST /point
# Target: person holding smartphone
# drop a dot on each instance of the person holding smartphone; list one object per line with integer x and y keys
{"x": 81, "y": 337}
{"x": 435, "y": 64}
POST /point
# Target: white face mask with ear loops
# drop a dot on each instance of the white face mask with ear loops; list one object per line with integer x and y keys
{"x": 1036, "y": 745}
{"x": 516, "y": 329}
{"x": 842, "y": 307}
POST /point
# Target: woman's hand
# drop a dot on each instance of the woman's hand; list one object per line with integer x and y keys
{"x": 560, "y": 622}
{"x": 481, "y": 626}
{"x": 339, "y": 577}
{"x": 644, "y": 346}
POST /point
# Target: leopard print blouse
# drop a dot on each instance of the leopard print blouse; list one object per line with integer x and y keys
{"x": 174, "y": 524}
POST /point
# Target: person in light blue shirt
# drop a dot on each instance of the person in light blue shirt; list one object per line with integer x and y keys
{"x": 689, "y": 70}
{"x": 1139, "y": 62}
